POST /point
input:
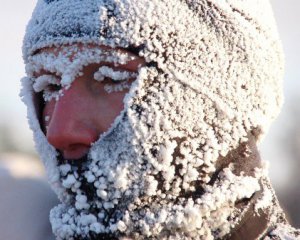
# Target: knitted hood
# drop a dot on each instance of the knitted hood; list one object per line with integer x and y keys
{"x": 213, "y": 75}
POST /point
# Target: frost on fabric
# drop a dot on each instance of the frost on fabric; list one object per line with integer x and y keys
{"x": 284, "y": 232}
{"x": 212, "y": 76}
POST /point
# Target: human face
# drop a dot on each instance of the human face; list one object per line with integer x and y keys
{"x": 86, "y": 109}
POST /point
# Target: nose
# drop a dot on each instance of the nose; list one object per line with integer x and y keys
{"x": 69, "y": 127}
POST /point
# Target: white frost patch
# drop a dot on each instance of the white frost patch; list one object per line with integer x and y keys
{"x": 284, "y": 232}
{"x": 151, "y": 186}
{"x": 69, "y": 181}
{"x": 265, "y": 201}
{"x": 121, "y": 226}
{"x": 121, "y": 179}
{"x": 65, "y": 169}
{"x": 43, "y": 81}
{"x": 110, "y": 88}
{"x": 102, "y": 194}
{"x": 107, "y": 72}
{"x": 81, "y": 202}
{"x": 119, "y": 79}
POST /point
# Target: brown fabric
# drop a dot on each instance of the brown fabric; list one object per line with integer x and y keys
{"x": 252, "y": 224}
{"x": 252, "y": 229}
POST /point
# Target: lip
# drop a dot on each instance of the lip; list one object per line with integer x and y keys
{"x": 75, "y": 153}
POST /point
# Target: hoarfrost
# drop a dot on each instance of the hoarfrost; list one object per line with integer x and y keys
{"x": 201, "y": 92}
{"x": 69, "y": 181}
{"x": 112, "y": 74}
{"x": 283, "y": 232}
{"x": 265, "y": 201}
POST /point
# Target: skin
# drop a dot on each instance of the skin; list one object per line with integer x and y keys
{"x": 85, "y": 110}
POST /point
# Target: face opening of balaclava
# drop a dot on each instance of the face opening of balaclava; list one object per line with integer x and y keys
{"x": 212, "y": 77}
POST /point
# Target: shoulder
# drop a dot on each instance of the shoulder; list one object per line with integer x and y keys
{"x": 283, "y": 232}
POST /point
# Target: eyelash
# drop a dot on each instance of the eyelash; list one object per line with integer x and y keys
{"x": 108, "y": 80}
{"x": 53, "y": 88}
{"x": 48, "y": 85}
{"x": 52, "y": 91}
{"x": 106, "y": 73}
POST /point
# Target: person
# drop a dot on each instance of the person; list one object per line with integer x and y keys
{"x": 148, "y": 114}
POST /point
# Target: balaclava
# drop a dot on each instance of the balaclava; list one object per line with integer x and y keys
{"x": 212, "y": 78}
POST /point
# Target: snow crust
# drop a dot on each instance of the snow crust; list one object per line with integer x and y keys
{"x": 212, "y": 75}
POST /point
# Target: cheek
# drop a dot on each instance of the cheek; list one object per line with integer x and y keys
{"x": 109, "y": 107}
{"x": 47, "y": 112}
{"x": 118, "y": 102}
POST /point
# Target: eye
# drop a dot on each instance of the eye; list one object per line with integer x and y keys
{"x": 53, "y": 88}
{"x": 114, "y": 80}
{"x": 48, "y": 85}
{"x": 44, "y": 81}
{"x": 107, "y": 74}
{"x": 107, "y": 80}
{"x": 52, "y": 91}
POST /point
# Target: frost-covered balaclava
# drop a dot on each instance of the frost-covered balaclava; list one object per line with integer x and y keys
{"x": 212, "y": 77}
